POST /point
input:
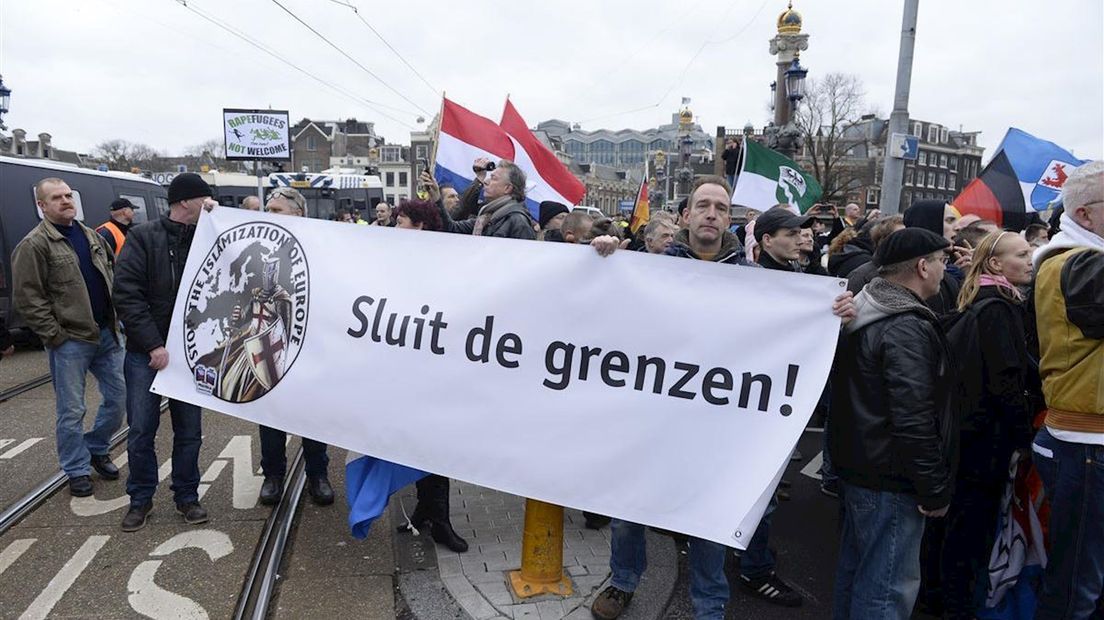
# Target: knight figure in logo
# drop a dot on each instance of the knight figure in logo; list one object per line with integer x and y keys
{"x": 252, "y": 360}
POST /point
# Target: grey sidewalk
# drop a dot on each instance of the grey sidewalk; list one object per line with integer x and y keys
{"x": 476, "y": 582}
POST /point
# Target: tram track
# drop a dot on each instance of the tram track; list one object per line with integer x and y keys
{"x": 37, "y": 496}
{"x": 24, "y": 387}
{"x": 264, "y": 569}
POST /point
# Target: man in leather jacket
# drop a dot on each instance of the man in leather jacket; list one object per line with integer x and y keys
{"x": 147, "y": 278}
{"x": 891, "y": 435}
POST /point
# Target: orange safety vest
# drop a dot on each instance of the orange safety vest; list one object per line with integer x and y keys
{"x": 116, "y": 234}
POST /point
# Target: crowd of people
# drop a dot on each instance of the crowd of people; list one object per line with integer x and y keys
{"x": 965, "y": 352}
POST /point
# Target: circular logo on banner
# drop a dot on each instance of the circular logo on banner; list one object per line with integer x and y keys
{"x": 247, "y": 312}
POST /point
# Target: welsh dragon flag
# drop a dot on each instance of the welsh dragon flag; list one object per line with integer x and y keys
{"x": 768, "y": 178}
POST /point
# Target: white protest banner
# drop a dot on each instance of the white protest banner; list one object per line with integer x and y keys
{"x": 257, "y": 134}
{"x": 660, "y": 390}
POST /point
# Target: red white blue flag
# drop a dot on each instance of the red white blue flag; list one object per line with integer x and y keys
{"x": 465, "y": 136}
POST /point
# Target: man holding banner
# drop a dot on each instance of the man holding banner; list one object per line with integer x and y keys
{"x": 706, "y": 237}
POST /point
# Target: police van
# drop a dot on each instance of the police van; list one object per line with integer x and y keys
{"x": 332, "y": 190}
{"x": 93, "y": 192}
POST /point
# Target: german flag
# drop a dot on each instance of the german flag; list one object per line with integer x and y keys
{"x": 641, "y": 213}
{"x": 995, "y": 195}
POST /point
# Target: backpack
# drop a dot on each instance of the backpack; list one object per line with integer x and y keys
{"x": 966, "y": 364}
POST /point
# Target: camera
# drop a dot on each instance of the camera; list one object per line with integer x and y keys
{"x": 490, "y": 166}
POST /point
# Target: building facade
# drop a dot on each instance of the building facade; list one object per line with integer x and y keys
{"x": 317, "y": 145}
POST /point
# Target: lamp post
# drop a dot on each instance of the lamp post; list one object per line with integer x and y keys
{"x": 5, "y": 101}
{"x": 788, "y": 88}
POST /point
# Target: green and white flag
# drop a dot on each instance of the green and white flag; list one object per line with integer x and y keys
{"x": 768, "y": 178}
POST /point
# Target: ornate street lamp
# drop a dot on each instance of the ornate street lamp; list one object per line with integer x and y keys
{"x": 795, "y": 82}
{"x": 5, "y": 101}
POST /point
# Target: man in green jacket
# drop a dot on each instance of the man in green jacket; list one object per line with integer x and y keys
{"x": 62, "y": 273}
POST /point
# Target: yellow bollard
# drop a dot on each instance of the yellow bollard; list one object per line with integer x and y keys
{"x": 541, "y": 553}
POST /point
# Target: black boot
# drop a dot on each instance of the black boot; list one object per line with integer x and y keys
{"x": 433, "y": 493}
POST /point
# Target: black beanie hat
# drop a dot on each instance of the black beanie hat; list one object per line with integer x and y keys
{"x": 186, "y": 186}
{"x": 550, "y": 209}
{"x": 907, "y": 244}
{"x": 926, "y": 214}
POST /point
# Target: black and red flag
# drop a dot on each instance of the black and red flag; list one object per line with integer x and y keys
{"x": 995, "y": 195}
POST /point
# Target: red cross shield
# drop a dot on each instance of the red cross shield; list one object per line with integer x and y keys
{"x": 265, "y": 353}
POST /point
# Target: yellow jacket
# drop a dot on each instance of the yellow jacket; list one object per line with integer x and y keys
{"x": 1069, "y": 304}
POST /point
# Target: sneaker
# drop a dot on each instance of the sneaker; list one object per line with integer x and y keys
{"x": 194, "y": 514}
{"x": 80, "y": 486}
{"x": 610, "y": 603}
{"x": 772, "y": 589}
{"x": 320, "y": 491}
{"x": 104, "y": 467}
{"x": 135, "y": 518}
{"x": 830, "y": 488}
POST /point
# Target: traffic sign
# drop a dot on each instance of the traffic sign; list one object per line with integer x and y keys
{"x": 903, "y": 146}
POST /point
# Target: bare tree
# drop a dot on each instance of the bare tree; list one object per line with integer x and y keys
{"x": 214, "y": 147}
{"x": 124, "y": 155}
{"x": 827, "y": 117}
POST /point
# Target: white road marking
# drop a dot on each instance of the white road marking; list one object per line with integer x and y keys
{"x": 149, "y": 599}
{"x": 812, "y": 468}
{"x": 6, "y": 442}
{"x": 11, "y": 553}
{"x": 247, "y": 485}
{"x": 91, "y": 506}
{"x": 14, "y": 452}
{"x": 46, "y": 600}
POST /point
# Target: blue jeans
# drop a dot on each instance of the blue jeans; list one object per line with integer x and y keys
{"x": 144, "y": 416}
{"x": 757, "y": 561}
{"x": 708, "y": 585}
{"x": 69, "y": 364}
{"x": 1073, "y": 477}
{"x": 274, "y": 456}
{"x": 878, "y": 576}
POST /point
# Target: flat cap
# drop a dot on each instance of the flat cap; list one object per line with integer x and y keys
{"x": 907, "y": 244}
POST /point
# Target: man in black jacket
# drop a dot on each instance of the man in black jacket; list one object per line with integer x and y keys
{"x": 503, "y": 213}
{"x": 891, "y": 435}
{"x": 146, "y": 281}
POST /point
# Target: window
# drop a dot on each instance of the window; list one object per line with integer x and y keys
{"x": 954, "y": 163}
{"x": 76, "y": 201}
{"x": 139, "y": 207}
{"x": 390, "y": 155}
{"x": 908, "y": 176}
{"x": 942, "y": 160}
{"x": 391, "y": 199}
{"x": 162, "y": 205}
{"x": 871, "y": 196}
{"x": 311, "y": 146}
{"x": 952, "y": 181}
{"x": 941, "y": 181}
{"x": 601, "y": 152}
{"x": 923, "y": 158}
{"x": 421, "y": 151}
{"x": 933, "y": 133}
{"x": 931, "y": 179}
{"x": 403, "y": 179}
{"x": 944, "y": 135}
{"x": 390, "y": 179}
{"x": 908, "y": 200}
{"x": 918, "y": 129}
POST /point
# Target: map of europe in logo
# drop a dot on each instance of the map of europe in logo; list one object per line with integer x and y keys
{"x": 247, "y": 311}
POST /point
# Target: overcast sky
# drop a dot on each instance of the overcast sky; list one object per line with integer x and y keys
{"x": 153, "y": 71}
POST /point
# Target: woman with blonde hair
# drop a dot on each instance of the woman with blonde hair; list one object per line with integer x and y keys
{"x": 1000, "y": 421}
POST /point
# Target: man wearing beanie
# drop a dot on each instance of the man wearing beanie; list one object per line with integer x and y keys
{"x": 891, "y": 434}
{"x": 114, "y": 230}
{"x": 147, "y": 278}
{"x": 939, "y": 218}
{"x": 552, "y": 216}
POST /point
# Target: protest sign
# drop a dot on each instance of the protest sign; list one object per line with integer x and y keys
{"x": 660, "y": 390}
{"x": 257, "y": 134}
